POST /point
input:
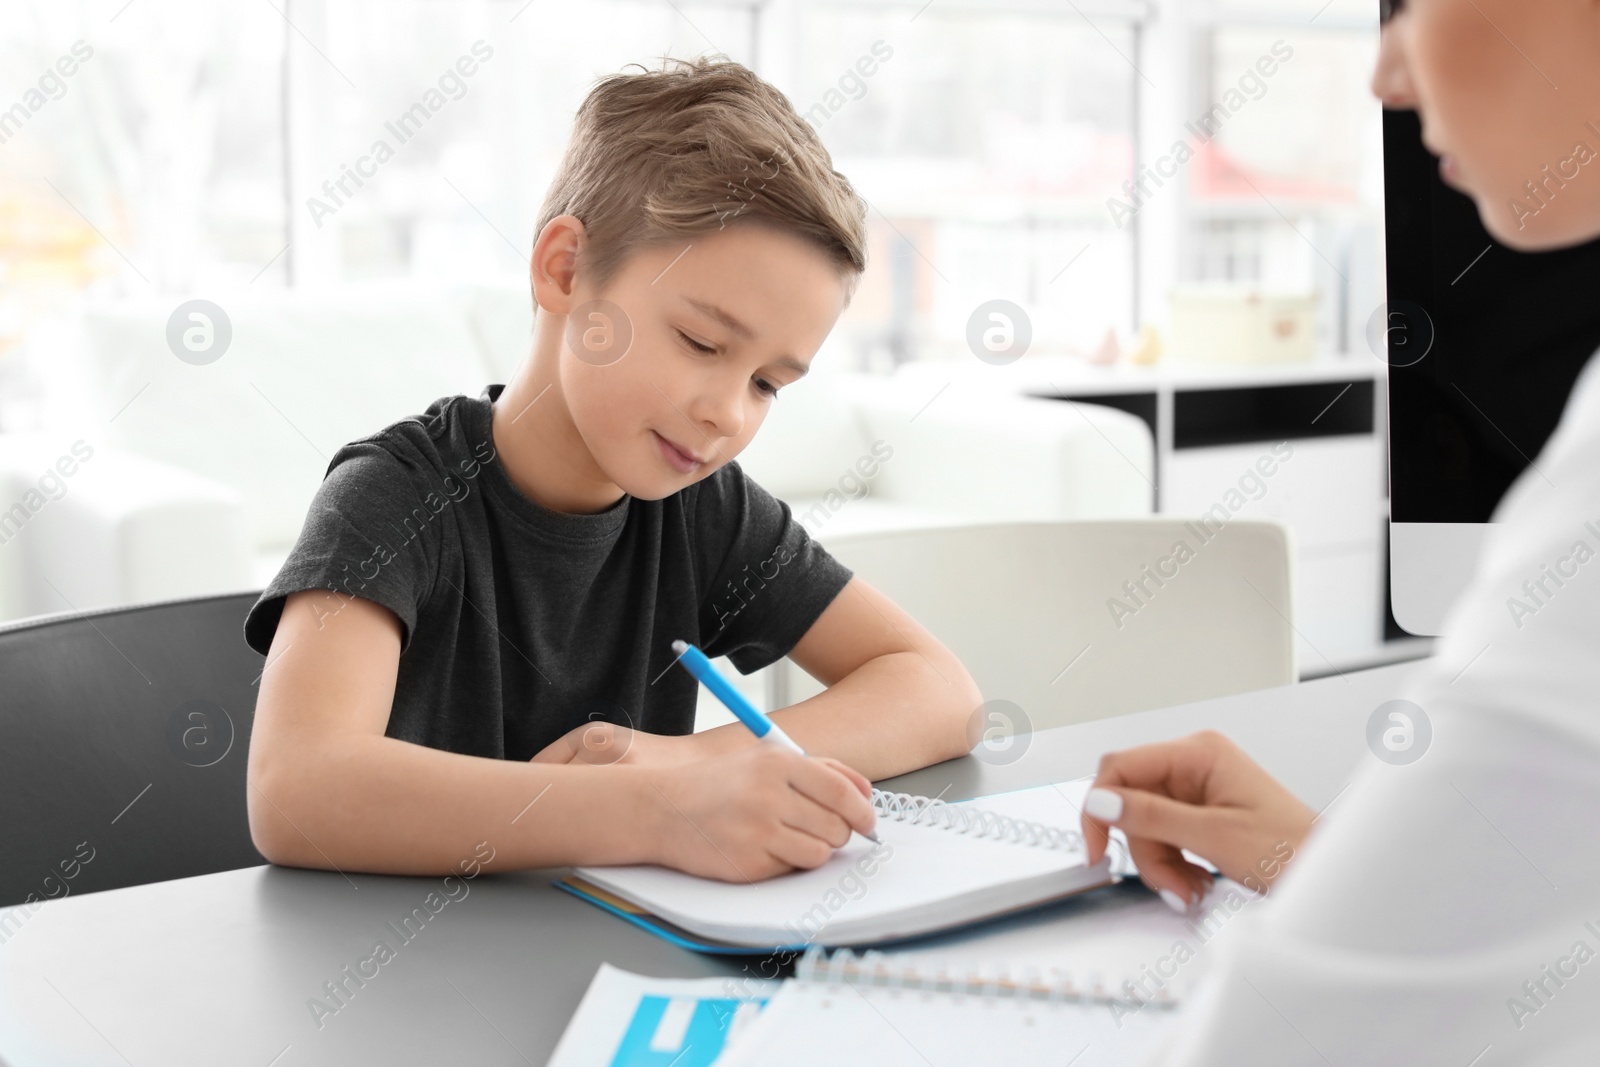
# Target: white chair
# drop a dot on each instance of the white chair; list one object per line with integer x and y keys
{"x": 1072, "y": 621}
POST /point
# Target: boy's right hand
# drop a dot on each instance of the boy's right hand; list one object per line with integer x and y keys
{"x": 754, "y": 813}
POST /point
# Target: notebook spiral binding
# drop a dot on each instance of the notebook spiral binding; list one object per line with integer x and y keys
{"x": 930, "y": 811}
{"x": 1055, "y": 985}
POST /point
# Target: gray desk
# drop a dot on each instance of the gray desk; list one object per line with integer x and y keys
{"x": 219, "y": 969}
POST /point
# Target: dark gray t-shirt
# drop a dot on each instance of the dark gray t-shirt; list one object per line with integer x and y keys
{"x": 520, "y": 623}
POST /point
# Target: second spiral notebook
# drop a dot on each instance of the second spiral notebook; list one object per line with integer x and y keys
{"x": 939, "y": 867}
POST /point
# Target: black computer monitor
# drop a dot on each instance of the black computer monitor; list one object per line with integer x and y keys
{"x": 1483, "y": 344}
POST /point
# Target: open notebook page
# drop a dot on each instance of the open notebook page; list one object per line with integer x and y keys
{"x": 809, "y": 1023}
{"x": 1093, "y": 942}
{"x": 922, "y": 878}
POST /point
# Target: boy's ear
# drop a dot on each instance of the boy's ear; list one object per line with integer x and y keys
{"x": 553, "y": 266}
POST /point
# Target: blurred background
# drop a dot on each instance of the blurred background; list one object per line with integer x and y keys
{"x": 1157, "y": 225}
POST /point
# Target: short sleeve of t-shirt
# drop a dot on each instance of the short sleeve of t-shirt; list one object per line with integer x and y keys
{"x": 769, "y": 579}
{"x": 366, "y": 534}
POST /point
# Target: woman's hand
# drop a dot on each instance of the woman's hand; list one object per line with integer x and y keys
{"x": 1200, "y": 793}
{"x": 602, "y": 744}
{"x": 753, "y": 813}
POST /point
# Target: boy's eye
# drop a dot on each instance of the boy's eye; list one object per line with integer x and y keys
{"x": 764, "y": 387}
{"x": 696, "y": 345}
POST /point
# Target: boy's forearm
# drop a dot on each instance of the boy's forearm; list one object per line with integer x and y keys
{"x": 895, "y": 713}
{"x": 382, "y": 805}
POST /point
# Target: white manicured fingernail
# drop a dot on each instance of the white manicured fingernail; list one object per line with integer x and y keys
{"x": 1103, "y": 804}
{"x": 1175, "y": 902}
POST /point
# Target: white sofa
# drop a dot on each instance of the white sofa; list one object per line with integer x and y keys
{"x": 854, "y": 453}
{"x": 200, "y": 476}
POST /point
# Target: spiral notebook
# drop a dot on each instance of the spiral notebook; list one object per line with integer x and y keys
{"x": 939, "y": 867}
{"x": 825, "y": 1016}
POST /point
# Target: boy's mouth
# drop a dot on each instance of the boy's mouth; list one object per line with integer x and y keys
{"x": 684, "y": 461}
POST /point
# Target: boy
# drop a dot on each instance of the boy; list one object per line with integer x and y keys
{"x": 470, "y": 641}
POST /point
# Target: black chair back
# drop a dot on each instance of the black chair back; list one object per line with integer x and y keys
{"x": 123, "y": 737}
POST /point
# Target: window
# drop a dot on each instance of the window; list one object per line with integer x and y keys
{"x": 1290, "y": 191}
{"x": 985, "y": 140}
{"x": 207, "y": 147}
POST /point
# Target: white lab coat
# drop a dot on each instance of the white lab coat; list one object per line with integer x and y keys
{"x": 1448, "y": 911}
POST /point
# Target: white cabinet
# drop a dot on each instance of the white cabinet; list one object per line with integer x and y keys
{"x": 1212, "y": 424}
{"x": 1322, "y": 489}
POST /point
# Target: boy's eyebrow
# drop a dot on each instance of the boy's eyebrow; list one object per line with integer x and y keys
{"x": 721, "y": 316}
{"x": 743, "y": 331}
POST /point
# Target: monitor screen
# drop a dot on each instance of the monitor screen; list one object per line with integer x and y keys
{"x": 1509, "y": 333}
{"x": 1483, "y": 345}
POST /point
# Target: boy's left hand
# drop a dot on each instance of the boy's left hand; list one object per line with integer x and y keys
{"x": 605, "y": 744}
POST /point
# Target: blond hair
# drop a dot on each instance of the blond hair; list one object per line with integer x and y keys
{"x": 685, "y": 150}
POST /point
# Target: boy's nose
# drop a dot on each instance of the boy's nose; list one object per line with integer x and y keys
{"x": 717, "y": 413}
